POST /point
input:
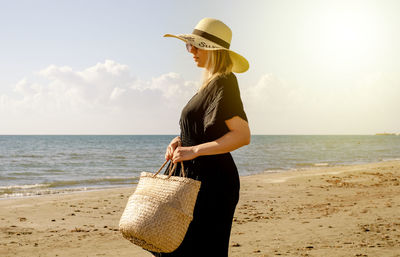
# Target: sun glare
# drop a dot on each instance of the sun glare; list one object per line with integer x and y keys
{"x": 347, "y": 38}
{"x": 344, "y": 34}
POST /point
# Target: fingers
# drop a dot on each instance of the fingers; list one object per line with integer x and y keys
{"x": 179, "y": 155}
{"x": 176, "y": 155}
{"x": 168, "y": 153}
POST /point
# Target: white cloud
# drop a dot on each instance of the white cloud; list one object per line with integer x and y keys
{"x": 117, "y": 92}
{"x": 107, "y": 98}
{"x": 366, "y": 106}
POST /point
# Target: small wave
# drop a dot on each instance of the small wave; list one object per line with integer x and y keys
{"x": 54, "y": 171}
{"x": 70, "y": 184}
{"x": 31, "y": 165}
{"x": 323, "y": 164}
{"x": 80, "y": 156}
{"x": 27, "y": 156}
{"x": 7, "y": 178}
{"x": 304, "y": 164}
{"x": 390, "y": 159}
{"x": 25, "y": 173}
{"x": 16, "y": 187}
{"x": 309, "y": 164}
{"x": 20, "y": 189}
{"x": 18, "y": 194}
{"x": 119, "y": 157}
{"x": 274, "y": 171}
{"x": 91, "y": 182}
{"x": 57, "y": 187}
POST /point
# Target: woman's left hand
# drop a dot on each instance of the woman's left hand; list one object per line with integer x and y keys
{"x": 182, "y": 153}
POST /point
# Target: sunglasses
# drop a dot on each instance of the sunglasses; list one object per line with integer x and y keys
{"x": 189, "y": 47}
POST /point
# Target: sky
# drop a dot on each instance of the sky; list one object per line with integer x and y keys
{"x": 103, "y": 67}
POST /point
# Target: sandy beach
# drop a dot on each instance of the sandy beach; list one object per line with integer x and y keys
{"x": 327, "y": 211}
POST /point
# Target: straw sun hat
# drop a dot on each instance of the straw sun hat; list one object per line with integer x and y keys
{"x": 212, "y": 34}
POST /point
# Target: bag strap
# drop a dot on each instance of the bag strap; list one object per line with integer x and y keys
{"x": 172, "y": 168}
{"x": 182, "y": 168}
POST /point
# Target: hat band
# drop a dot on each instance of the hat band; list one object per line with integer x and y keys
{"x": 212, "y": 38}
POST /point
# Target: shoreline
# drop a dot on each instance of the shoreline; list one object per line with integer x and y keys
{"x": 64, "y": 192}
{"x": 72, "y": 190}
{"x": 346, "y": 210}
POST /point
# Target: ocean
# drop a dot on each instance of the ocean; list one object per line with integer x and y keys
{"x": 39, "y": 165}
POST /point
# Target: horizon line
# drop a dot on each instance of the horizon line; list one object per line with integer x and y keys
{"x": 105, "y": 134}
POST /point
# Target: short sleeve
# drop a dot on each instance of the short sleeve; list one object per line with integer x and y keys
{"x": 224, "y": 104}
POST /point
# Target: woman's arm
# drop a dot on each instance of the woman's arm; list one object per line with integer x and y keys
{"x": 238, "y": 136}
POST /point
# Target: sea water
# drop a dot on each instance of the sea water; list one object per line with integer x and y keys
{"x": 37, "y": 165}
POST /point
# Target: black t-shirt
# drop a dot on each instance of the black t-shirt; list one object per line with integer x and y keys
{"x": 203, "y": 118}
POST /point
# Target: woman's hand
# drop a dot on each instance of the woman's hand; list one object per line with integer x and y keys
{"x": 171, "y": 148}
{"x": 182, "y": 153}
{"x": 238, "y": 136}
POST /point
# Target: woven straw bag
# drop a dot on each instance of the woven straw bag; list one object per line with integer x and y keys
{"x": 160, "y": 210}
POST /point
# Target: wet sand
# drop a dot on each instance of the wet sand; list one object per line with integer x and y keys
{"x": 331, "y": 211}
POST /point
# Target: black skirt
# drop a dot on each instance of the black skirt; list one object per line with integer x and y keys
{"x": 209, "y": 231}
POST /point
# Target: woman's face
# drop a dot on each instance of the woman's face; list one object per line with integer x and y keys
{"x": 199, "y": 55}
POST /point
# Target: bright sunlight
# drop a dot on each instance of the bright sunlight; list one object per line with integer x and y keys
{"x": 348, "y": 39}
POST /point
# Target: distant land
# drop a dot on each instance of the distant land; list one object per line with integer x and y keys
{"x": 387, "y": 134}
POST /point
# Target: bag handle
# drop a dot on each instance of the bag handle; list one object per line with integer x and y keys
{"x": 172, "y": 168}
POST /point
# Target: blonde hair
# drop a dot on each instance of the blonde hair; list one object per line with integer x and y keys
{"x": 218, "y": 63}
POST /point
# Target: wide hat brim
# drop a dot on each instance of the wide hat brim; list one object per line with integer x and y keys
{"x": 240, "y": 64}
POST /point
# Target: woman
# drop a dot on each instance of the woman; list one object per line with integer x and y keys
{"x": 213, "y": 123}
